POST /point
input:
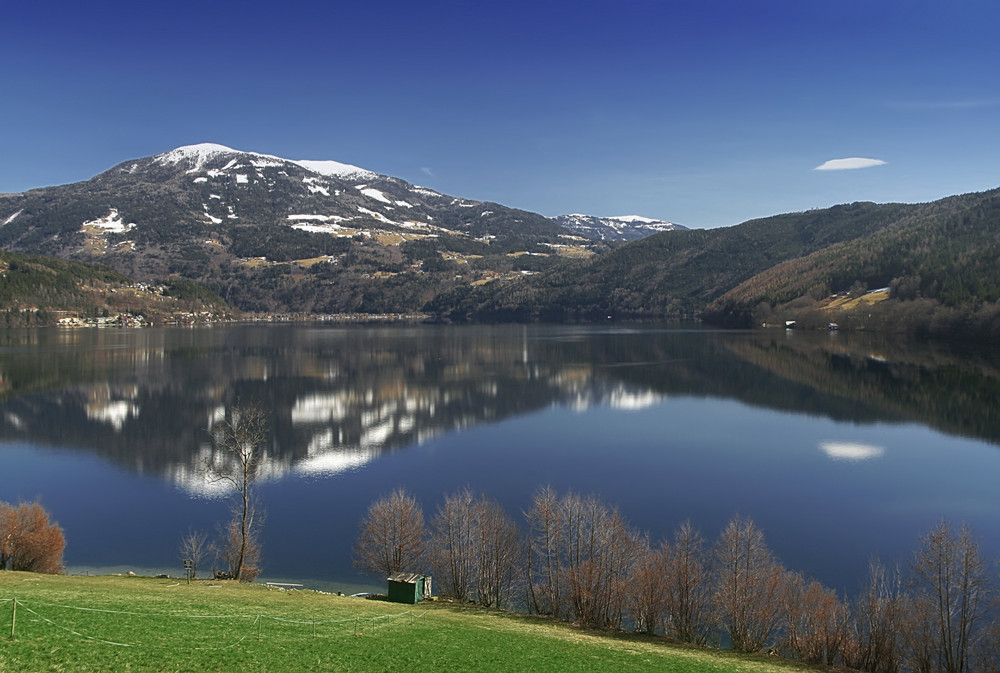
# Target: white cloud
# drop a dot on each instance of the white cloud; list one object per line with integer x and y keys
{"x": 427, "y": 171}
{"x": 851, "y": 451}
{"x": 848, "y": 164}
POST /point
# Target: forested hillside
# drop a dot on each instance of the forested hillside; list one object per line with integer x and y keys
{"x": 36, "y": 290}
{"x": 939, "y": 262}
{"x": 675, "y": 273}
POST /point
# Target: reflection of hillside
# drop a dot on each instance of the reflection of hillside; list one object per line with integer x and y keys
{"x": 339, "y": 398}
{"x": 925, "y": 383}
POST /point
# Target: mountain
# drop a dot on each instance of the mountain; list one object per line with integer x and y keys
{"x": 935, "y": 264}
{"x": 262, "y": 233}
{"x": 675, "y": 273}
{"x": 620, "y": 228}
{"x": 938, "y": 261}
{"x": 272, "y": 234}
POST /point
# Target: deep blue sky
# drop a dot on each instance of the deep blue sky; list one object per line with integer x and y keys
{"x": 704, "y": 112}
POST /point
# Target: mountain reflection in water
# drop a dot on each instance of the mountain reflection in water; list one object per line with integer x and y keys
{"x": 342, "y": 402}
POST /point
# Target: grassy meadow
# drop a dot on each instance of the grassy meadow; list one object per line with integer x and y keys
{"x": 116, "y": 623}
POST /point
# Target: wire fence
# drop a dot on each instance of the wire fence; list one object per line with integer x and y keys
{"x": 126, "y": 628}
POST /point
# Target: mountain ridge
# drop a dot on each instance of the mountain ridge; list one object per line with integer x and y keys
{"x": 268, "y": 234}
{"x": 271, "y": 234}
{"x": 615, "y": 228}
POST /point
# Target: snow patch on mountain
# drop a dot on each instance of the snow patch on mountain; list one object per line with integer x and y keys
{"x": 111, "y": 223}
{"x": 11, "y": 218}
{"x": 372, "y": 193}
{"x": 335, "y": 169}
{"x": 617, "y": 228}
{"x": 196, "y": 156}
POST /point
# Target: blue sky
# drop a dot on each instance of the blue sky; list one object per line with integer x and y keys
{"x": 706, "y": 113}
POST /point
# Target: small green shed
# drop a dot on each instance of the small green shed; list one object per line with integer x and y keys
{"x": 409, "y": 587}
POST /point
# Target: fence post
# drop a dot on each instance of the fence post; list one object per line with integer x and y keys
{"x": 13, "y": 617}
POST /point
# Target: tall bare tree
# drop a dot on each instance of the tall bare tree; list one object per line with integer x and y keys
{"x": 747, "y": 586}
{"x": 239, "y": 442}
{"x": 688, "y": 582}
{"x": 874, "y": 642}
{"x": 498, "y": 553}
{"x": 475, "y": 549}
{"x": 647, "y": 591}
{"x": 452, "y": 542}
{"x": 601, "y": 550}
{"x": 546, "y": 547}
{"x": 952, "y": 577}
{"x": 28, "y": 540}
{"x": 391, "y": 538}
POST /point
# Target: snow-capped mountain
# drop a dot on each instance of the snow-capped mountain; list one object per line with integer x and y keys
{"x": 620, "y": 228}
{"x": 268, "y": 233}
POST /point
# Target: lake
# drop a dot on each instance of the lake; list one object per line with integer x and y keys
{"x": 841, "y": 447}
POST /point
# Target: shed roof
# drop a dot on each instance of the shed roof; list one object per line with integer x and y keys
{"x": 409, "y": 578}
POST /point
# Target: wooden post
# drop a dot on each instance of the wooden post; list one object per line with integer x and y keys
{"x": 259, "y": 620}
{"x": 13, "y": 618}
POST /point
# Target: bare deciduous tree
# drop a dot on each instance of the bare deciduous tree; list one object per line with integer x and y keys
{"x": 601, "y": 550}
{"x": 498, "y": 552}
{"x": 28, "y": 541}
{"x": 391, "y": 538}
{"x": 239, "y": 441}
{"x": 195, "y": 547}
{"x": 952, "y": 578}
{"x": 877, "y": 618}
{"x": 581, "y": 558}
{"x": 546, "y": 531}
{"x": 648, "y": 591}
{"x": 475, "y": 549}
{"x": 747, "y": 586}
{"x": 688, "y": 581}
{"x": 988, "y": 649}
{"x": 452, "y": 544}
{"x": 816, "y": 621}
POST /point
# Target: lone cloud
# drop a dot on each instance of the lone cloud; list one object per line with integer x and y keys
{"x": 848, "y": 164}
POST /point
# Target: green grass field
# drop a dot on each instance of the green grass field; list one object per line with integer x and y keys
{"x": 114, "y": 623}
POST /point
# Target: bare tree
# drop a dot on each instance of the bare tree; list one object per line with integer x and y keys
{"x": 816, "y": 621}
{"x": 28, "y": 541}
{"x": 580, "y": 560}
{"x": 876, "y": 631}
{"x": 601, "y": 550}
{"x": 498, "y": 551}
{"x": 917, "y": 630}
{"x": 452, "y": 542}
{"x": 648, "y": 591}
{"x": 546, "y": 547}
{"x": 239, "y": 448}
{"x": 747, "y": 586}
{"x": 688, "y": 582}
{"x": 475, "y": 549}
{"x": 988, "y": 649}
{"x": 195, "y": 547}
{"x": 391, "y": 538}
{"x": 951, "y": 576}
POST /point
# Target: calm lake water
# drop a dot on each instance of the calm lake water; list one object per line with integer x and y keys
{"x": 841, "y": 447}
